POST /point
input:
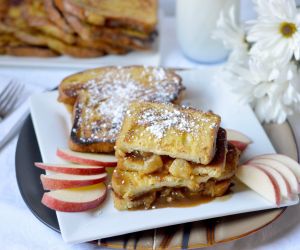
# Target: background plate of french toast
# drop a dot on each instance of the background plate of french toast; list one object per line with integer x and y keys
{"x": 162, "y": 137}
{"x": 80, "y": 34}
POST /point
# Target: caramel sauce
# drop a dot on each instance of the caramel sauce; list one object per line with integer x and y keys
{"x": 177, "y": 198}
{"x": 186, "y": 201}
{"x": 137, "y": 157}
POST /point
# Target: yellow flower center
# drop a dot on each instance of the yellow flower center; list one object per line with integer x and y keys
{"x": 287, "y": 29}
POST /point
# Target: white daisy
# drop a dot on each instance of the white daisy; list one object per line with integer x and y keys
{"x": 269, "y": 111}
{"x": 232, "y": 35}
{"x": 267, "y": 78}
{"x": 272, "y": 99}
{"x": 276, "y": 32}
{"x": 276, "y": 99}
{"x": 244, "y": 78}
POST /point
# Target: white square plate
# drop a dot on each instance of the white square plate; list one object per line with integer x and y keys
{"x": 52, "y": 125}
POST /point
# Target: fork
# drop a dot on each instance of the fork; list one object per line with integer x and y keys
{"x": 9, "y": 97}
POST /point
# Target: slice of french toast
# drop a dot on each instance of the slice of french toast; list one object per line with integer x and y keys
{"x": 167, "y": 129}
{"x": 100, "y": 98}
{"x": 114, "y": 36}
{"x": 29, "y": 51}
{"x": 88, "y": 29}
{"x": 134, "y": 14}
{"x": 35, "y": 14}
{"x": 101, "y": 45}
{"x": 11, "y": 45}
{"x": 43, "y": 24}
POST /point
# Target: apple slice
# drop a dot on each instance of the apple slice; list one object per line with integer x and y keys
{"x": 284, "y": 187}
{"x": 76, "y": 199}
{"x": 287, "y": 161}
{"x": 70, "y": 168}
{"x": 260, "y": 181}
{"x": 282, "y": 169}
{"x": 238, "y": 139}
{"x": 87, "y": 158}
{"x": 62, "y": 181}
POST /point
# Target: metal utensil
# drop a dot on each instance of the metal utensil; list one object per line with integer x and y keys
{"x": 9, "y": 97}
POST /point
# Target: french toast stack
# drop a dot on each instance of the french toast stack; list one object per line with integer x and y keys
{"x": 78, "y": 28}
{"x": 99, "y": 99}
{"x": 167, "y": 153}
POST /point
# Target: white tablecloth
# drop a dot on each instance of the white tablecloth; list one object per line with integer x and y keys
{"x": 20, "y": 229}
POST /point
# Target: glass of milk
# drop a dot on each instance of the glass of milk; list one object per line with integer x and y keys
{"x": 195, "y": 22}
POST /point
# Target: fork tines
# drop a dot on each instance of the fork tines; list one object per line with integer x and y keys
{"x": 9, "y": 97}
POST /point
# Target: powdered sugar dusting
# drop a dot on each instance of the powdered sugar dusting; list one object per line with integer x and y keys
{"x": 111, "y": 92}
{"x": 158, "y": 121}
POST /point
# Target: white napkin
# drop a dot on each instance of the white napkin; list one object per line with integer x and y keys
{"x": 14, "y": 120}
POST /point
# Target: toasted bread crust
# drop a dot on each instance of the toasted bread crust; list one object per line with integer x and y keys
{"x": 56, "y": 17}
{"x": 77, "y": 145}
{"x": 103, "y": 46}
{"x": 34, "y": 13}
{"x": 8, "y": 39}
{"x": 114, "y": 37}
{"x": 30, "y": 51}
{"x": 4, "y": 5}
{"x": 70, "y": 86}
{"x": 139, "y": 15}
{"x": 58, "y": 46}
{"x": 73, "y": 50}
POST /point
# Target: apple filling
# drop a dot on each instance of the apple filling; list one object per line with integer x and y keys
{"x": 138, "y": 175}
{"x": 145, "y": 163}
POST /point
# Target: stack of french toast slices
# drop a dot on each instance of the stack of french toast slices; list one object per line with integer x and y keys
{"x": 166, "y": 153}
{"x": 78, "y": 28}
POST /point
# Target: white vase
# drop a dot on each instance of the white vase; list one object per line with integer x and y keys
{"x": 195, "y": 22}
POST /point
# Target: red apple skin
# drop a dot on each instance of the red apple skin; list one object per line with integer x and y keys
{"x": 274, "y": 183}
{"x": 272, "y": 180}
{"x": 295, "y": 190}
{"x": 284, "y": 159}
{"x": 75, "y": 171}
{"x": 64, "y": 206}
{"x": 75, "y": 159}
{"x": 55, "y": 184}
{"x": 288, "y": 186}
{"x": 239, "y": 144}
